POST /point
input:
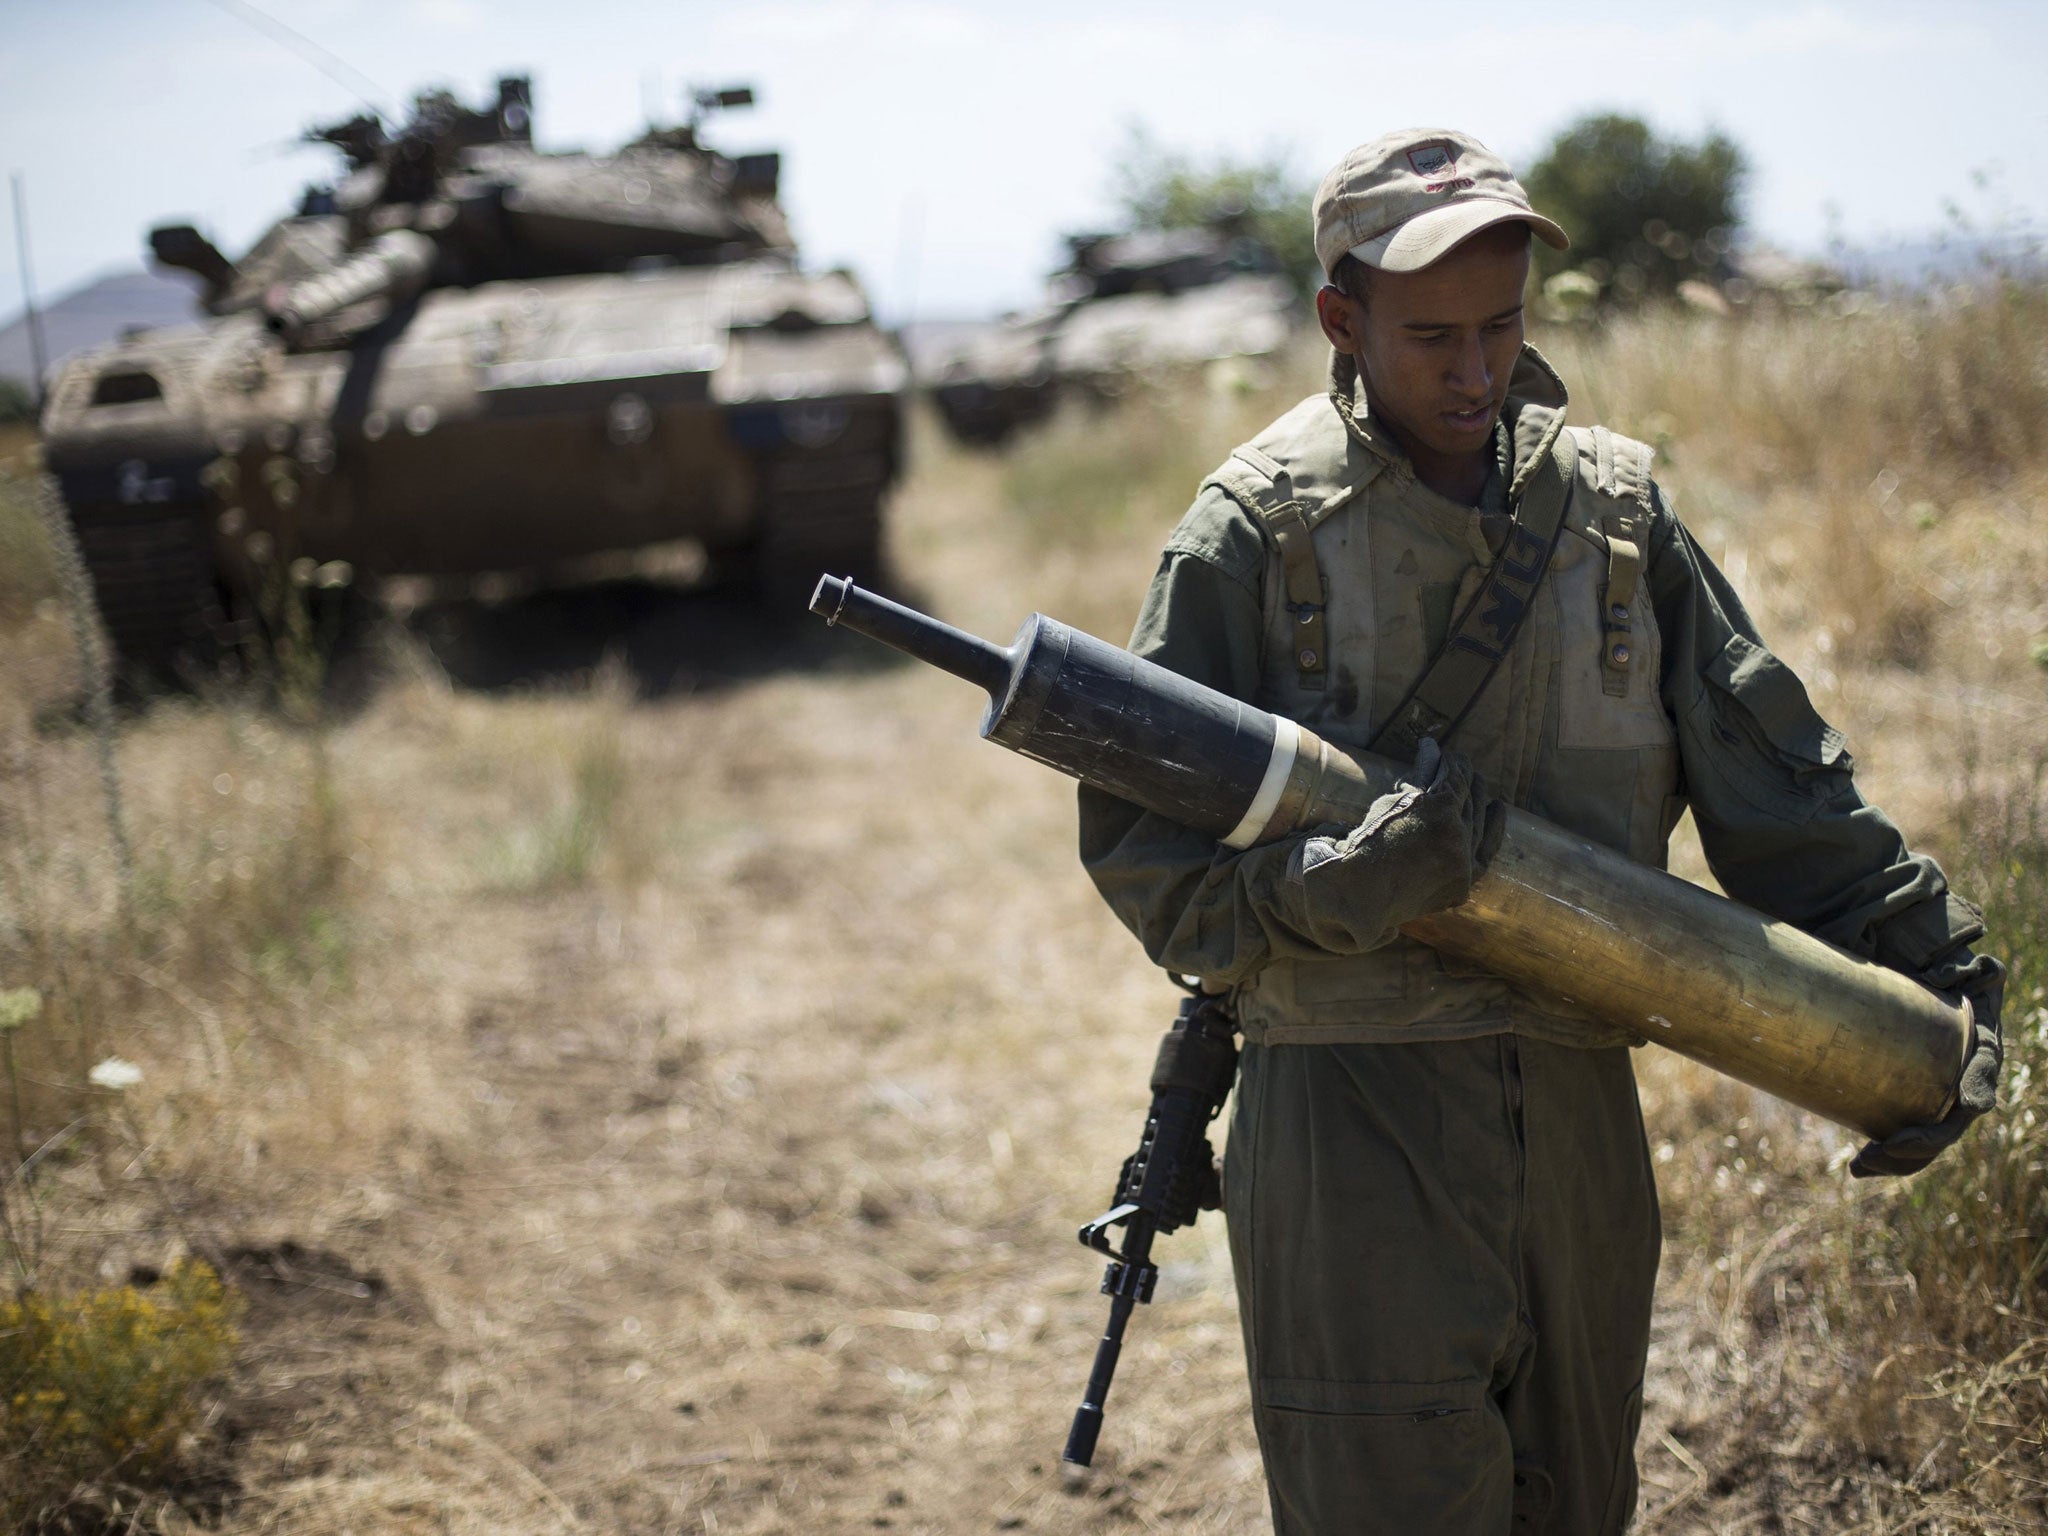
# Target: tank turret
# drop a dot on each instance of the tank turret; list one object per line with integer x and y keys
{"x": 393, "y": 268}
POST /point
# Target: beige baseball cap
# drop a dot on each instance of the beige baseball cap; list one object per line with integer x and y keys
{"x": 1403, "y": 200}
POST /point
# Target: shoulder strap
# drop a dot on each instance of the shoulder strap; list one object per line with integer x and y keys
{"x": 1621, "y": 470}
{"x": 1257, "y": 480}
{"x": 1482, "y": 635}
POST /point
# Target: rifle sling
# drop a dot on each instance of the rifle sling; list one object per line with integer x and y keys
{"x": 1485, "y": 630}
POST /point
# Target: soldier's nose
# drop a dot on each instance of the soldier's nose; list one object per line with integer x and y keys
{"x": 1469, "y": 376}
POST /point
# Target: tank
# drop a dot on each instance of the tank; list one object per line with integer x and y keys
{"x": 1123, "y": 303}
{"x": 467, "y": 355}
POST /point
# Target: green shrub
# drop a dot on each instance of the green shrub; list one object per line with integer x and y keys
{"x": 1160, "y": 188}
{"x": 577, "y": 834}
{"x": 17, "y": 403}
{"x": 104, "y": 1386}
{"x": 1644, "y": 212}
{"x": 28, "y": 572}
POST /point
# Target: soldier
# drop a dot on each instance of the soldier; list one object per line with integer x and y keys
{"x": 1442, "y": 1214}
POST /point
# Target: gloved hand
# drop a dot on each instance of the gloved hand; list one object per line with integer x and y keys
{"x": 1980, "y": 979}
{"x": 1416, "y": 852}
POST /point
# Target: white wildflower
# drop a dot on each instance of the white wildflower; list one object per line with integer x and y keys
{"x": 114, "y": 1075}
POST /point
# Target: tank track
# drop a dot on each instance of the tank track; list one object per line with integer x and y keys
{"x": 154, "y": 580}
{"x": 983, "y": 415}
{"x": 821, "y": 510}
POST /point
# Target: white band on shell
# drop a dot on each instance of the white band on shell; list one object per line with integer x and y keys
{"x": 1286, "y": 742}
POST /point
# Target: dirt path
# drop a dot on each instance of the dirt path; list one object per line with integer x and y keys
{"x": 750, "y": 1203}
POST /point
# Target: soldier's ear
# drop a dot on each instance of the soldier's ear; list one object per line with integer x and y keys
{"x": 1341, "y": 317}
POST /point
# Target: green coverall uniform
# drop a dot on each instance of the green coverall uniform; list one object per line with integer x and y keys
{"x": 1442, "y": 1214}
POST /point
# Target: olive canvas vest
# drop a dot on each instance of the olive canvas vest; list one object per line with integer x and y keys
{"x": 1571, "y": 726}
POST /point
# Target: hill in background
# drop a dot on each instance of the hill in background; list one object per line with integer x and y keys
{"x": 96, "y": 314}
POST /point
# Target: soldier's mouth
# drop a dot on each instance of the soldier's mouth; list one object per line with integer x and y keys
{"x": 1479, "y": 416}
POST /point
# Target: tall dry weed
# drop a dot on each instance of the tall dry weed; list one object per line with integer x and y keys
{"x": 1938, "y": 1285}
{"x": 1954, "y": 385}
{"x": 1107, "y": 477}
{"x": 1885, "y": 451}
{"x": 575, "y": 830}
{"x": 1870, "y": 479}
{"x": 1974, "y": 1230}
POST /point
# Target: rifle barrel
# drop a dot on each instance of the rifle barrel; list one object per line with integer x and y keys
{"x": 1087, "y": 1425}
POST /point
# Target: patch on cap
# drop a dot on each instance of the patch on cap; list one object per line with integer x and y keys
{"x": 1432, "y": 159}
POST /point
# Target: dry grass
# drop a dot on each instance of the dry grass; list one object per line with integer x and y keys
{"x": 1880, "y": 465}
{"x": 626, "y": 1106}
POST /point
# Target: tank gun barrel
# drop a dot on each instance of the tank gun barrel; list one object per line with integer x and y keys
{"x": 1565, "y": 918}
{"x": 180, "y": 245}
{"x": 394, "y": 266}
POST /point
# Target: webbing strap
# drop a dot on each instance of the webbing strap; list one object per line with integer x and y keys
{"x": 1302, "y": 575}
{"x": 1621, "y": 470}
{"x": 1483, "y": 633}
{"x": 1304, "y": 580}
{"x": 1617, "y": 616}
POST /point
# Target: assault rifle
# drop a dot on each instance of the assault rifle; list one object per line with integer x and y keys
{"x": 1165, "y": 1184}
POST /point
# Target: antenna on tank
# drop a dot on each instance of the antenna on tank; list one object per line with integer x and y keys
{"x": 326, "y": 60}
{"x": 909, "y": 257}
{"x": 38, "y": 354}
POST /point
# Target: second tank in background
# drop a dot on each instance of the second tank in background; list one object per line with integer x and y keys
{"x": 1123, "y": 303}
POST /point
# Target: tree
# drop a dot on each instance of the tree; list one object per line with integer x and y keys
{"x": 1644, "y": 212}
{"x": 1158, "y": 188}
{"x": 17, "y": 402}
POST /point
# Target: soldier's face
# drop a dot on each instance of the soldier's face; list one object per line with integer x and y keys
{"x": 1436, "y": 347}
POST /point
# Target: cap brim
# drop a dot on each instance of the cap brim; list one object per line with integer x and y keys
{"x": 1428, "y": 237}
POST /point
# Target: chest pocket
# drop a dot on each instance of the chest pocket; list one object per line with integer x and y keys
{"x": 1609, "y": 693}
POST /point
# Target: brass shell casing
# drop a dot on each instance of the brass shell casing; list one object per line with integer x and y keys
{"x": 1571, "y": 922}
{"x": 1757, "y": 999}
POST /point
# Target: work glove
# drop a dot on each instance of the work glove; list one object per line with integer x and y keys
{"x": 1417, "y": 851}
{"x": 1981, "y": 980}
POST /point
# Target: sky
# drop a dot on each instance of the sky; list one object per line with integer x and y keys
{"x": 940, "y": 150}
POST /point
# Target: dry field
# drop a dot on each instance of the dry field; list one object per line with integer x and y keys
{"x": 639, "y": 1060}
